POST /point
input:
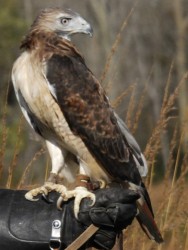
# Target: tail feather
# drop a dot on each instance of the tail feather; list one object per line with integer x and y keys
{"x": 145, "y": 215}
{"x": 144, "y": 192}
{"x": 147, "y": 222}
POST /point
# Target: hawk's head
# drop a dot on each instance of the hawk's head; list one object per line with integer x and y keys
{"x": 64, "y": 22}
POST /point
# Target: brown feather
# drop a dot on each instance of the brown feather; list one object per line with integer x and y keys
{"x": 147, "y": 222}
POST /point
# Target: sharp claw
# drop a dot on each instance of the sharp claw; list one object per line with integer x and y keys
{"x": 93, "y": 199}
{"x": 78, "y": 199}
{"x": 102, "y": 184}
{"x": 76, "y": 213}
{"x": 59, "y": 202}
{"x": 46, "y": 198}
{"x": 77, "y": 206}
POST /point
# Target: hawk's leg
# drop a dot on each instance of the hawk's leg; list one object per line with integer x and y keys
{"x": 80, "y": 192}
{"x": 54, "y": 181}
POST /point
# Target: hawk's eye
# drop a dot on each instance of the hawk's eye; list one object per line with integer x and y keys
{"x": 65, "y": 21}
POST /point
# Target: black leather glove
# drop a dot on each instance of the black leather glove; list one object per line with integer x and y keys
{"x": 26, "y": 225}
{"x": 114, "y": 210}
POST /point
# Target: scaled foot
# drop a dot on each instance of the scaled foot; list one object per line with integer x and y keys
{"x": 78, "y": 193}
{"x": 50, "y": 185}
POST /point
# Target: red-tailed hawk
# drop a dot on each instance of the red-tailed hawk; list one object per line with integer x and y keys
{"x": 66, "y": 105}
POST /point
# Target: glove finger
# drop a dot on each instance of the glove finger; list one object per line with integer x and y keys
{"x": 105, "y": 197}
{"x": 105, "y": 239}
{"x": 83, "y": 214}
{"x": 100, "y": 217}
{"x": 121, "y": 215}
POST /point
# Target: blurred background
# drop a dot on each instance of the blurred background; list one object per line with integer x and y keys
{"x": 138, "y": 47}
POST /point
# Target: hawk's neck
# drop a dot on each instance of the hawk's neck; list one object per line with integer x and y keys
{"x": 49, "y": 42}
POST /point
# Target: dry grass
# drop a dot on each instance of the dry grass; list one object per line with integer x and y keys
{"x": 115, "y": 45}
{"x": 170, "y": 197}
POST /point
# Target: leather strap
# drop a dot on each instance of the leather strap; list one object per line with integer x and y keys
{"x": 84, "y": 181}
{"x": 119, "y": 242}
{"x": 83, "y": 238}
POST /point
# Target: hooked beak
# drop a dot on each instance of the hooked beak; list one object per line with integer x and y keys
{"x": 89, "y": 30}
{"x": 86, "y": 29}
{"x": 83, "y": 26}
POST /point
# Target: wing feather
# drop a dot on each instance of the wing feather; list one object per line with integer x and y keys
{"x": 89, "y": 115}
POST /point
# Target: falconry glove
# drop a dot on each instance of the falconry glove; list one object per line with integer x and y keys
{"x": 113, "y": 211}
{"x": 26, "y": 225}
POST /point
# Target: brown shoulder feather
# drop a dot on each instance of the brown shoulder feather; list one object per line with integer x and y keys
{"x": 49, "y": 42}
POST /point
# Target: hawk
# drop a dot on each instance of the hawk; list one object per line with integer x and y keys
{"x": 65, "y": 104}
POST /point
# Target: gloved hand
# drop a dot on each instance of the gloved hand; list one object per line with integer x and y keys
{"x": 28, "y": 225}
{"x": 114, "y": 210}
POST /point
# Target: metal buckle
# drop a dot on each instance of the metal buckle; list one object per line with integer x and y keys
{"x": 55, "y": 240}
